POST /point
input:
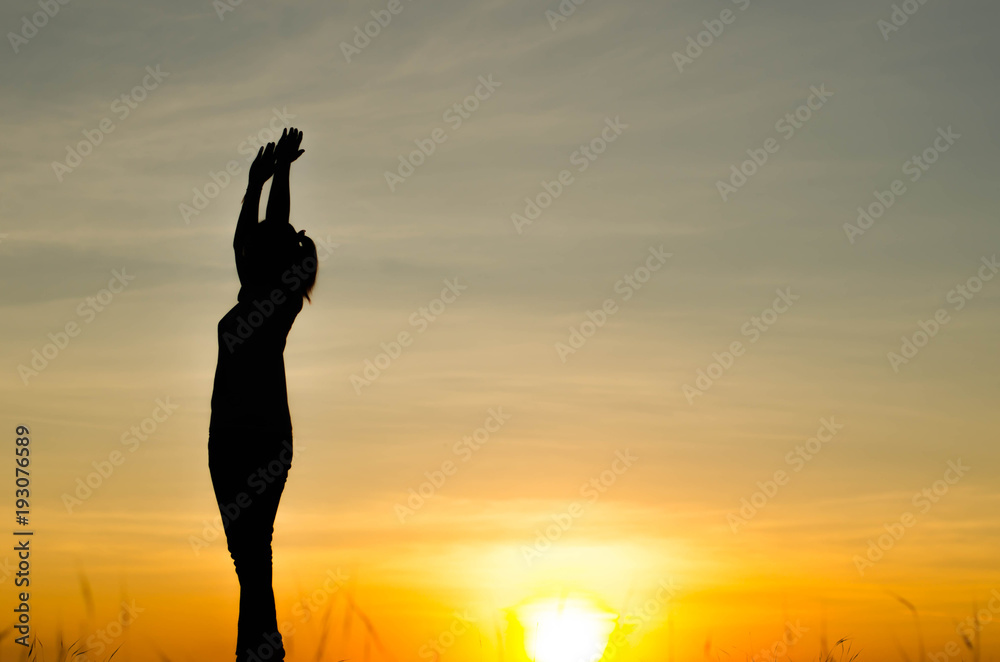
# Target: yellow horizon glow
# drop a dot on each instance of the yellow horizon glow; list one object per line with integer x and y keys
{"x": 570, "y": 629}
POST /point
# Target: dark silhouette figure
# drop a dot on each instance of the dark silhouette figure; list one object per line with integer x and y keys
{"x": 250, "y": 434}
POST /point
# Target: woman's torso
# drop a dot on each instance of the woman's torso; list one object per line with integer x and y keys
{"x": 250, "y": 390}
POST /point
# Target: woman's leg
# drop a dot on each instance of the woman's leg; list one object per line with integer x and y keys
{"x": 249, "y": 476}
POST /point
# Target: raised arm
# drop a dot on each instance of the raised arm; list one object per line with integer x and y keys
{"x": 260, "y": 171}
{"x": 280, "y": 200}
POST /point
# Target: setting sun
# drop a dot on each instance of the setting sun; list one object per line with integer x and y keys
{"x": 565, "y": 629}
{"x": 506, "y": 331}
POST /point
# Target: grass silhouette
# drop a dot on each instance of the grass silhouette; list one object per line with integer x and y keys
{"x": 374, "y": 649}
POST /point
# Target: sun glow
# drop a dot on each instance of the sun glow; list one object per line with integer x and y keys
{"x": 568, "y": 629}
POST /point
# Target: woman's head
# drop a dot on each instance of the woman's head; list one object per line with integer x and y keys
{"x": 286, "y": 257}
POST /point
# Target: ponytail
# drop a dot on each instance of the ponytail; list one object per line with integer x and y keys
{"x": 309, "y": 260}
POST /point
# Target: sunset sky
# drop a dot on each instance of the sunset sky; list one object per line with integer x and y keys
{"x": 640, "y": 362}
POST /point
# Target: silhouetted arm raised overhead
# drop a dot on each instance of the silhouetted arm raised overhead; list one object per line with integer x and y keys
{"x": 280, "y": 200}
{"x": 260, "y": 171}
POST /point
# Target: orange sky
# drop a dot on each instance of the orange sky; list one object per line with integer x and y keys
{"x": 616, "y": 374}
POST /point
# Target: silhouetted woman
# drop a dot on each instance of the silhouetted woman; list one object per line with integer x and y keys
{"x": 250, "y": 434}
